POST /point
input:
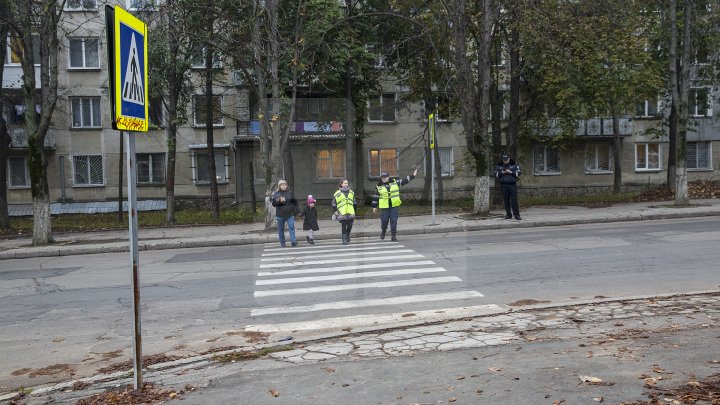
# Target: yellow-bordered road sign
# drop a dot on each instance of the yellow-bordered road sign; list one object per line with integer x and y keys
{"x": 128, "y": 70}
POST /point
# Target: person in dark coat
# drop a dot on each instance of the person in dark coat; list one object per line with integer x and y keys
{"x": 286, "y": 207}
{"x": 507, "y": 173}
{"x": 309, "y": 215}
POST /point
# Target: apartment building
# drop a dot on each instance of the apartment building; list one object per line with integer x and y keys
{"x": 85, "y": 151}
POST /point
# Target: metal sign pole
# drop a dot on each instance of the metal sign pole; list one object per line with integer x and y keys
{"x": 134, "y": 258}
{"x": 432, "y": 164}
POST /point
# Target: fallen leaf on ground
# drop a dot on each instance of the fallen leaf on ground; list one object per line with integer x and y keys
{"x": 495, "y": 369}
{"x": 598, "y": 399}
{"x": 462, "y": 377}
{"x": 660, "y": 370}
{"x": 589, "y": 354}
{"x": 274, "y": 393}
{"x": 558, "y": 402}
{"x": 329, "y": 369}
{"x": 594, "y": 380}
{"x": 693, "y": 383}
{"x": 452, "y": 399}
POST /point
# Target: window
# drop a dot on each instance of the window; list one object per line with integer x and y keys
{"x": 647, "y": 156}
{"x": 447, "y": 163}
{"x": 150, "y": 168}
{"x": 85, "y": 112}
{"x": 18, "y": 174}
{"x": 546, "y": 160}
{"x": 15, "y": 49}
{"x": 383, "y": 160}
{"x": 648, "y": 108}
{"x": 142, "y": 4}
{"x": 200, "y": 111}
{"x": 155, "y": 112}
{"x": 699, "y": 103}
{"x": 84, "y": 53}
{"x": 88, "y": 170}
{"x": 330, "y": 164}
{"x": 197, "y": 60}
{"x": 80, "y": 5}
{"x": 382, "y": 108}
{"x": 202, "y": 166}
{"x": 598, "y": 158}
{"x": 698, "y": 155}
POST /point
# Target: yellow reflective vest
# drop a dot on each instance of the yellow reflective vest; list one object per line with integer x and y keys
{"x": 386, "y": 196}
{"x": 345, "y": 204}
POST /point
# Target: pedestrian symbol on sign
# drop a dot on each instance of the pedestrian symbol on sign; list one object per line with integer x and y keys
{"x": 132, "y": 90}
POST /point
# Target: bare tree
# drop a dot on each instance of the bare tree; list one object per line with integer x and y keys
{"x": 472, "y": 40}
{"x": 38, "y": 19}
{"x": 4, "y": 136}
{"x": 679, "y": 92}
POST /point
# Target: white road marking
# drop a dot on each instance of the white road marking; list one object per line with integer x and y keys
{"x": 408, "y": 299}
{"x": 321, "y": 245}
{"x": 347, "y": 276}
{"x": 290, "y": 252}
{"x": 343, "y": 268}
{"x": 343, "y": 254}
{"x": 379, "y": 319}
{"x": 384, "y": 257}
{"x": 357, "y": 286}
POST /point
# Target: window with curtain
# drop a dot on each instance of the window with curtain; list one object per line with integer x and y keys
{"x": 330, "y": 164}
{"x": 383, "y": 160}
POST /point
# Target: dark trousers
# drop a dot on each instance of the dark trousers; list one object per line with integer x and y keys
{"x": 509, "y": 193}
{"x": 346, "y": 225}
{"x": 389, "y": 214}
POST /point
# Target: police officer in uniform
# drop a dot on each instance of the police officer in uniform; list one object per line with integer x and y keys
{"x": 507, "y": 173}
{"x": 388, "y": 200}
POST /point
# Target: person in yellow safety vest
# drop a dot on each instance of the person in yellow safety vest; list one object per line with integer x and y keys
{"x": 388, "y": 200}
{"x": 344, "y": 205}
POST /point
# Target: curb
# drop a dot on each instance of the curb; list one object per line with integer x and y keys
{"x": 197, "y": 361}
{"x": 159, "y": 244}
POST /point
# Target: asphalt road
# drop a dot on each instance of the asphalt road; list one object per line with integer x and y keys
{"x": 76, "y": 310}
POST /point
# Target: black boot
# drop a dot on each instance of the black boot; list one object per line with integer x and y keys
{"x": 393, "y": 238}
{"x": 382, "y": 234}
{"x": 344, "y": 239}
{"x": 308, "y": 239}
{"x": 347, "y": 236}
{"x": 311, "y": 241}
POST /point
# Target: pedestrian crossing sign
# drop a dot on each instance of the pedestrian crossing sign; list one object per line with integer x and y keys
{"x": 129, "y": 72}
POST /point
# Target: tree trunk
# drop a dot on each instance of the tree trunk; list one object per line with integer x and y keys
{"x": 289, "y": 170}
{"x": 37, "y": 124}
{"x": 251, "y": 171}
{"x": 438, "y": 173}
{"x": 209, "y": 118}
{"x": 679, "y": 86}
{"x": 171, "y": 152}
{"x": 514, "y": 113}
{"x": 4, "y": 145}
{"x": 4, "y": 135}
{"x": 617, "y": 150}
{"x": 350, "y": 132}
{"x": 672, "y": 148}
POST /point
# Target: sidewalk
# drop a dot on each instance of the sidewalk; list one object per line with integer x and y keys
{"x": 612, "y": 352}
{"x": 228, "y": 235}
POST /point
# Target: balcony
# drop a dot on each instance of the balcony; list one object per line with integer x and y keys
{"x": 300, "y": 129}
{"x": 19, "y": 139}
{"x": 603, "y": 127}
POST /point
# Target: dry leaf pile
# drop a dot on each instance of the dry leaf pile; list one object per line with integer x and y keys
{"x": 126, "y": 395}
{"x": 698, "y": 189}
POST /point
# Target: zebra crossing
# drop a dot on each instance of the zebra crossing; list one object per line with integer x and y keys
{"x": 305, "y": 283}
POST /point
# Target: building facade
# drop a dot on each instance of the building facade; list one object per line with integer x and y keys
{"x": 85, "y": 151}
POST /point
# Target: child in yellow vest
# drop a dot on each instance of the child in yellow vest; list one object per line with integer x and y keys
{"x": 344, "y": 205}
